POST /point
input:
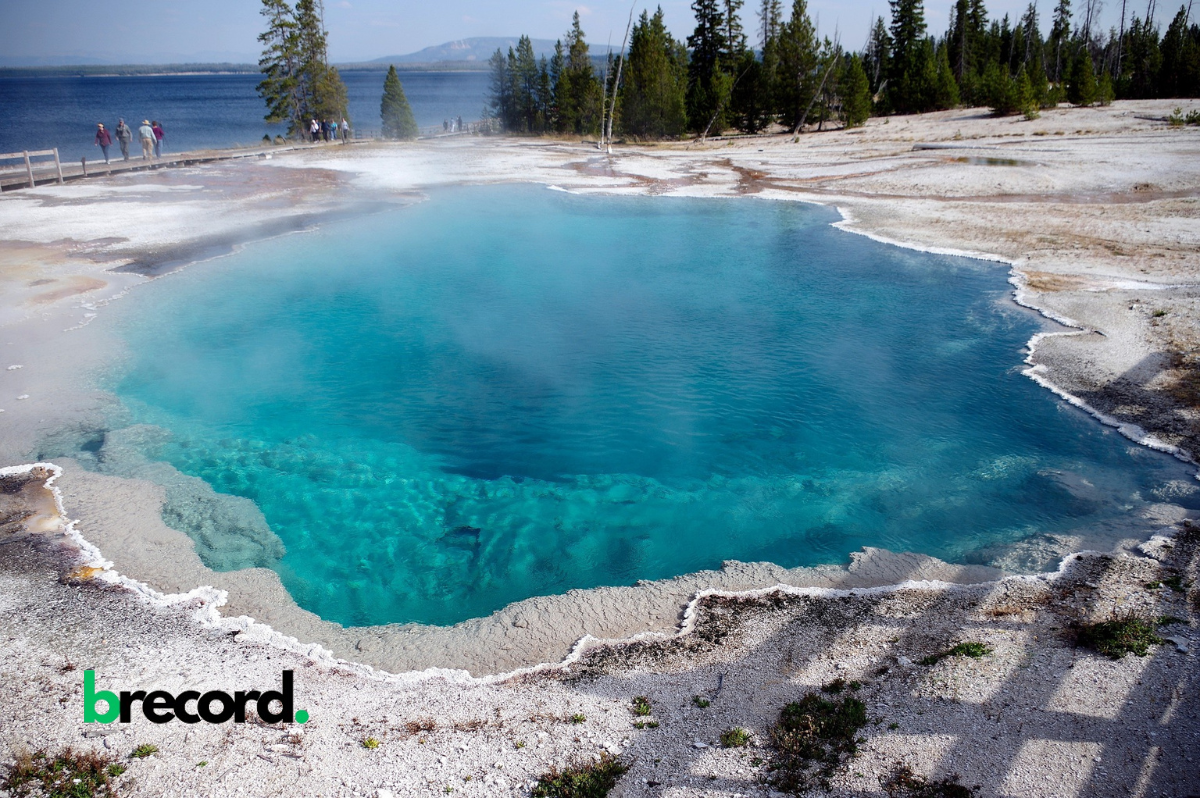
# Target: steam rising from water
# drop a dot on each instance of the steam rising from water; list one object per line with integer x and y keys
{"x": 508, "y": 392}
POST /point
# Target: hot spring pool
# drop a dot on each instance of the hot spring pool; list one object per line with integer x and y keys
{"x": 508, "y": 391}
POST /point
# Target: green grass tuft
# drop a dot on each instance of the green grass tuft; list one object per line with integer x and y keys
{"x": 578, "y": 718}
{"x": 737, "y": 737}
{"x": 1175, "y": 583}
{"x": 370, "y": 743}
{"x": 67, "y": 774}
{"x": 812, "y": 739}
{"x": 701, "y": 702}
{"x": 972, "y": 650}
{"x": 641, "y": 706}
{"x": 142, "y": 751}
{"x": 592, "y": 780}
{"x": 1119, "y": 637}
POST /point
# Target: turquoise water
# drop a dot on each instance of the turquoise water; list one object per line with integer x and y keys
{"x": 508, "y": 391}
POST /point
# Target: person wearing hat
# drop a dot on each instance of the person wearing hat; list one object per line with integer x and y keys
{"x": 124, "y": 136}
{"x": 146, "y": 134}
{"x": 103, "y": 139}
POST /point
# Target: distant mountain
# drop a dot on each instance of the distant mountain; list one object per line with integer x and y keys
{"x": 479, "y": 48}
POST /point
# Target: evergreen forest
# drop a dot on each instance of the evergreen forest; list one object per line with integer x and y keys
{"x": 782, "y": 71}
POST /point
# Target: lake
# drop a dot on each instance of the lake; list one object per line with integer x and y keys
{"x": 199, "y": 111}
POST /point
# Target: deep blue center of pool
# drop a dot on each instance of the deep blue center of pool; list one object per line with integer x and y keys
{"x": 505, "y": 392}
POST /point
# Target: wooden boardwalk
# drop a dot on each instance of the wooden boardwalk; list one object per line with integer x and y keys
{"x": 18, "y": 176}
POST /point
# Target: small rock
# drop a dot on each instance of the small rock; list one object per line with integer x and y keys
{"x": 23, "y": 396}
{"x": 904, "y": 662}
{"x": 14, "y": 368}
{"x": 698, "y": 744}
{"x": 382, "y": 793}
{"x": 1181, "y": 643}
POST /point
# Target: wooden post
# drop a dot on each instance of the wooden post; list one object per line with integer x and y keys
{"x": 58, "y": 166}
{"x": 29, "y": 168}
{"x": 83, "y": 160}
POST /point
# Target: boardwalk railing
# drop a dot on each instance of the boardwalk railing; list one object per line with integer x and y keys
{"x": 28, "y": 156}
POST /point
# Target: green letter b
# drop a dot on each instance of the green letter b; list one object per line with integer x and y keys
{"x": 90, "y": 697}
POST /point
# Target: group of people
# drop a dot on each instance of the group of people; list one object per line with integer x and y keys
{"x": 452, "y": 125}
{"x": 150, "y": 134}
{"x": 328, "y": 130}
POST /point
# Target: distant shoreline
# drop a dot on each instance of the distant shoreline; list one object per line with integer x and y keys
{"x": 167, "y": 70}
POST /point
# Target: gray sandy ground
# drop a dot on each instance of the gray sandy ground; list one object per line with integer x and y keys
{"x": 1035, "y": 717}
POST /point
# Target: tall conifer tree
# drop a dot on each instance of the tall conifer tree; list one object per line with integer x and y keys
{"x": 653, "y": 95}
{"x": 394, "y": 110}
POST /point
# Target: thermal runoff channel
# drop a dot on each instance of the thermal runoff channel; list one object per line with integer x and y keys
{"x": 505, "y": 392}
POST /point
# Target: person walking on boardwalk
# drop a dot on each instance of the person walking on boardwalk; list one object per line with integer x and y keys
{"x": 103, "y": 139}
{"x": 146, "y": 134}
{"x": 345, "y": 130}
{"x": 156, "y": 126}
{"x": 124, "y": 136}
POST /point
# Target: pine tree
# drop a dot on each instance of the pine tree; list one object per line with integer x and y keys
{"x": 1059, "y": 33}
{"x": 653, "y": 97}
{"x": 735, "y": 38}
{"x": 523, "y": 75}
{"x": 878, "y": 56}
{"x": 708, "y": 85}
{"x": 500, "y": 90}
{"x": 798, "y": 62}
{"x": 856, "y": 93}
{"x": 1081, "y": 85}
{"x": 394, "y": 110}
{"x": 911, "y": 60}
{"x": 577, "y": 92}
{"x": 771, "y": 20}
{"x": 280, "y": 64}
{"x": 1179, "y": 73}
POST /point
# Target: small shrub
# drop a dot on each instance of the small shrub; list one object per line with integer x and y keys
{"x": 906, "y": 784}
{"x": 1167, "y": 620}
{"x": 641, "y": 706}
{"x": 972, "y": 650}
{"x": 370, "y": 743}
{"x": 701, "y": 702}
{"x": 1119, "y": 636}
{"x": 835, "y": 687}
{"x": 1192, "y": 118}
{"x": 1175, "y": 583}
{"x": 577, "y": 718}
{"x": 68, "y": 774}
{"x": 591, "y": 780}
{"x": 812, "y": 739}
{"x": 737, "y": 737}
{"x": 142, "y": 751}
{"x": 893, "y": 726}
{"x": 1176, "y": 118}
{"x": 1152, "y": 585}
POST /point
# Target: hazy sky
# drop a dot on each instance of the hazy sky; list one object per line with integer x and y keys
{"x": 174, "y": 30}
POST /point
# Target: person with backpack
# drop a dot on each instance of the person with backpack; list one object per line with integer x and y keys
{"x": 103, "y": 139}
{"x": 124, "y": 136}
